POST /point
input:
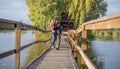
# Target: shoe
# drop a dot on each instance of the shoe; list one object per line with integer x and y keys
{"x": 54, "y": 49}
{"x": 57, "y": 48}
{"x": 51, "y": 47}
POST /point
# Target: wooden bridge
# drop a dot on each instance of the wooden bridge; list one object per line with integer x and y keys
{"x": 66, "y": 57}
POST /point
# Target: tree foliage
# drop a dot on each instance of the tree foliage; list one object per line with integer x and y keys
{"x": 42, "y": 11}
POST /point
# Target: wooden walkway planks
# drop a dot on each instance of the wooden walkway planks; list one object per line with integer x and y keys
{"x": 57, "y": 59}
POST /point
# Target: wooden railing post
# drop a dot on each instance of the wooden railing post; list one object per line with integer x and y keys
{"x": 72, "y": 35}
{"x": 17, "y": 46}
{"x": 51, "y": 39}
{"x": 76, "y": 41}
{"x": 45, "y": 42}
{"x": 75, "y": 49}
{"x": 69, "y": 36}
{"x": 37, "y": 44}
{"x": 84, "y": 47}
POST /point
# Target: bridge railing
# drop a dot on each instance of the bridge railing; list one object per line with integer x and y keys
{"x": 18, "y": 26}
{"x": 107, "y": 22}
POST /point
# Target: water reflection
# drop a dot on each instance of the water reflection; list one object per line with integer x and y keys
{"x": 105, "y": 54}
{"x": 7, "y": 63}
{"x": 7, "y": 42}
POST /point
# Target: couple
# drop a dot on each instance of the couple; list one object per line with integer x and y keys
{"x": 55, "y": 25}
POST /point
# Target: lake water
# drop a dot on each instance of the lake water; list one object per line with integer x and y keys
{"x": 7, "y": 42}
{"x": 106, "y": 52}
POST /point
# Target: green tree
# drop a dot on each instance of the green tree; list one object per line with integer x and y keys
{"x": 42, "y": 11}
{"x": 85, "y": 10}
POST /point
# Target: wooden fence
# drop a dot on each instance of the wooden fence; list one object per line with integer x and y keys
{"x": 18, "y": 26}
{"x": 107, "y": 22}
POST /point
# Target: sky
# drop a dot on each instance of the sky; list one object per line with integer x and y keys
{"x": 17, "y": 10}
{"x": 113, "y": 6}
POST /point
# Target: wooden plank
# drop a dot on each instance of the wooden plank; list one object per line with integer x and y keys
{"x": 61, "y": 60}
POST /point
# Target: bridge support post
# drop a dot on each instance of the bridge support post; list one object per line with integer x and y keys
{"x": 17, "y": 46}
{"x": 37, "y": 44}
{"x": 84, "y": 47}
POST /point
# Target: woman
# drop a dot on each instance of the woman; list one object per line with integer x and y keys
{"x": 54, "y": 33}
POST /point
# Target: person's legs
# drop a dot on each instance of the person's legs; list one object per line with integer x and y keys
{"x": 54, "y": 36}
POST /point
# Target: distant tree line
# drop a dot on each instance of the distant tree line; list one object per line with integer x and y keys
{"x": 5, "y": 28}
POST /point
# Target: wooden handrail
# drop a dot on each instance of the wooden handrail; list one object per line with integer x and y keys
{"x": 8, "y": 53}
{"x": 18, "y": 26}
{"x": 107, "y": 22}
{"x": 14, "y": 24}
{"x": 85, "y": 57}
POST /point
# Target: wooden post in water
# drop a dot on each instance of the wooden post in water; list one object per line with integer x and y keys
{"x": 17, "y": 46}
{"x": 84, "y": 47}
{"x": 37, "y": 44}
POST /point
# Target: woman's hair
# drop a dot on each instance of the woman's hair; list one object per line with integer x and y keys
{"x": 53, "y": 21}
